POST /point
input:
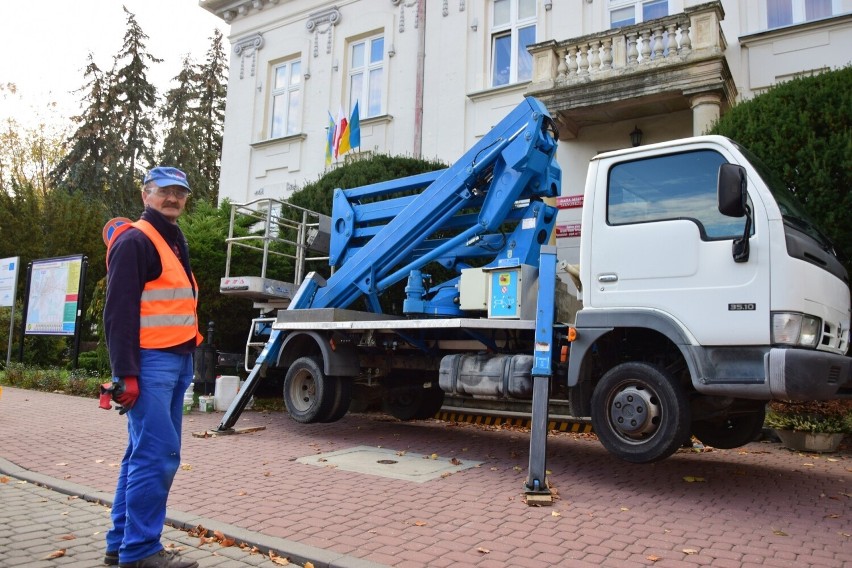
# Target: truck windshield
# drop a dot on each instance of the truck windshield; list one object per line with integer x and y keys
{"x": 791, "y": 208}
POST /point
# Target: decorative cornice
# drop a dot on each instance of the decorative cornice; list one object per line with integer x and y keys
{"x": 228, "y": 10}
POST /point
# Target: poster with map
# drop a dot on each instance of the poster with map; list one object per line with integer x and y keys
{"x": 53, "y": 296}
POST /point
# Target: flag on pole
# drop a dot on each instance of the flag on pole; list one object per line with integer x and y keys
{"x": 355, "y": 128}
{"x": 338, "y": 132}
{"x": 329, "y": 140}
{"x": 345, "y": 145}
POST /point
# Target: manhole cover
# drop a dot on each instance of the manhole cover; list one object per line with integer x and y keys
{"x": 395, "y": 464}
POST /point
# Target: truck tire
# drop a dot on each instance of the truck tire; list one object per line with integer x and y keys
{"x": 639, "y": 413}
{"x": 308, "y": 394}
{"x": 413, "y": 402}
{"x": 342, "y": 398}
{"x": 732, "y": 431}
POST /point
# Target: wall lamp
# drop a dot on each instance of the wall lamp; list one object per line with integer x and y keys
{"x": 636, "y": 136}
{"x": 548, "y": 5}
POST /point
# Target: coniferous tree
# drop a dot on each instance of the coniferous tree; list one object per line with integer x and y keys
{"x": 211, "y": 112}
{"x": 180, "y": 148}
{"x": 134, "y": 99}
{"x": 194, "y": 112}
{"x": 86, "y": 166}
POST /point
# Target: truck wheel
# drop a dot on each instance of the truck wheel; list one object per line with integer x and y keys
{"x": 433, "y": 400}
{"x": 413, "y": 402}
{"x": 639, "y": 413}
{"x": 731, "y": 431}
{"x": 342, "y": 398}
{"x": 308, "y": 393}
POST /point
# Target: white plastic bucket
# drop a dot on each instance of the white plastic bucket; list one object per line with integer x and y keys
{"x": 227, "y": 387}
{"x": 187, "y": 402}
{"x": 205, "y": 403}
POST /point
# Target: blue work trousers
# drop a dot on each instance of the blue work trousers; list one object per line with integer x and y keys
{"x": 152, "y": 457}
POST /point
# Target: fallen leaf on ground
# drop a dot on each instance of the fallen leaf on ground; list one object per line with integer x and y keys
{"x": 67, "y": 537}
{"x": 690, "y": 551}
{"x": 483, "y": 550}
{"x": 55, "y": 554}
{"x": 455, "y": 461}
{"x": 555, "y": 514}
{"x": 693, "y": 479}
{"x": 779, "y": 533}
{"x": 653, "y": 558}
{"x": 186, "y": 467}
{"x": 4, "y": 479}
{"x": 280, "y": 560}
{"x": 419, "y": 523}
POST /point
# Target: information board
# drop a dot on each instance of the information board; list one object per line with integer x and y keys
{"x": 54, "y": 292}
{"x": 8, "y": 281}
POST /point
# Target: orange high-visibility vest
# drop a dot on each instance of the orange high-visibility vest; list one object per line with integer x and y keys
{"x": 168, "y": 307}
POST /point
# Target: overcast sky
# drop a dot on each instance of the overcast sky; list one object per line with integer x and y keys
{"x": 44, "y": 47}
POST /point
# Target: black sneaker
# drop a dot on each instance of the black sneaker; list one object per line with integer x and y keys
{"x": 162, "y": 559}
{"x": 111, "y": 558}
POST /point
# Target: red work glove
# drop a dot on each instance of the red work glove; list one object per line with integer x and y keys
{"x": 128, "y": 395}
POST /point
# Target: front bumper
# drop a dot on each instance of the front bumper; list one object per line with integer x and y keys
{"x": 801, "y": 374}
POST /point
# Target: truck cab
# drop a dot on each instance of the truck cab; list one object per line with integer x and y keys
{"x": 701, "y": 272}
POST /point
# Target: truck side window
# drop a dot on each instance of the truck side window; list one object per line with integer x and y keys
{"x": 663, "y": 188}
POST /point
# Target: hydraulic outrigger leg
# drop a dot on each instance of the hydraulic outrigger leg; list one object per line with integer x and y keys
{"x": 272, "y": 347}
{"x": 536, "y": 487}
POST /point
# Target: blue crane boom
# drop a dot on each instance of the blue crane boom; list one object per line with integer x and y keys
{"x": 377, "y": 244}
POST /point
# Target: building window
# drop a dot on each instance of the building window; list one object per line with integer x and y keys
{"x": 512, "y": 30}
{"x": 286, "y": 99}
{"x": 626, "y": 13}
{"x": 366, "y": 75}
{"x": 781, "y": 13}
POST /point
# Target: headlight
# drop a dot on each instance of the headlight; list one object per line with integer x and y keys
{"x": 795, "y": 329}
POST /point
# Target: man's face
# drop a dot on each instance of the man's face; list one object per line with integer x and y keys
{"x": 170, "y": 201}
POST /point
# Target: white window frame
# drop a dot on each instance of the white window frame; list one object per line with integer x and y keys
{"x": 290, "y": 118}
{"x": 511, "y": 29}
{"x": 799, "y": 15}
{"x": 368, "y": 107}
{"x": 638, "y": 9}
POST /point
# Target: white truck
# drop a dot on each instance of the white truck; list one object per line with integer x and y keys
{"x": 705, "y": 292}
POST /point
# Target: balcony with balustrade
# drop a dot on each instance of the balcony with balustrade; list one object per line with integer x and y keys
{"x": 660, "y": 66}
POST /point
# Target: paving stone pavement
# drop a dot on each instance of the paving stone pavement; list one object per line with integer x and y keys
{"x": 760, "y": 505}
{"x": 44, "y": 528}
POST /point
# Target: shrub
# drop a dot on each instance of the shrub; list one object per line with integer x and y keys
{"x": 832, "y": 416}
{"x": 802, "y": 129}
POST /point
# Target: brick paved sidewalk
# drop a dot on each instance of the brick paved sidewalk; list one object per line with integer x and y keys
{"x": 760, "y": 505}
{"x": 41, "y": 528}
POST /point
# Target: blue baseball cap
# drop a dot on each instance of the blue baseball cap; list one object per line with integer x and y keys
{"x": 164, "y": 177}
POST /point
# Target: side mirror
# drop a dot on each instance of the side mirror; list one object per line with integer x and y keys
{"x": 731, "y": 190}
{"x": 733, "y": 202}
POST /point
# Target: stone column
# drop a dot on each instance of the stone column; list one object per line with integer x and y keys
{"x": 706, "y": 110}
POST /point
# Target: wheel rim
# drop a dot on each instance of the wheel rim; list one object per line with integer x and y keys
{"x": 303, "y": 391}
{"x": 634, "y": 412}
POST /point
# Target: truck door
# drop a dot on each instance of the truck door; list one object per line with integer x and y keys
{"x": 659, "y": 242}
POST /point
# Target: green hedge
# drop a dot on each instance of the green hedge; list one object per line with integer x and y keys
{"x": 802, "y": 129}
